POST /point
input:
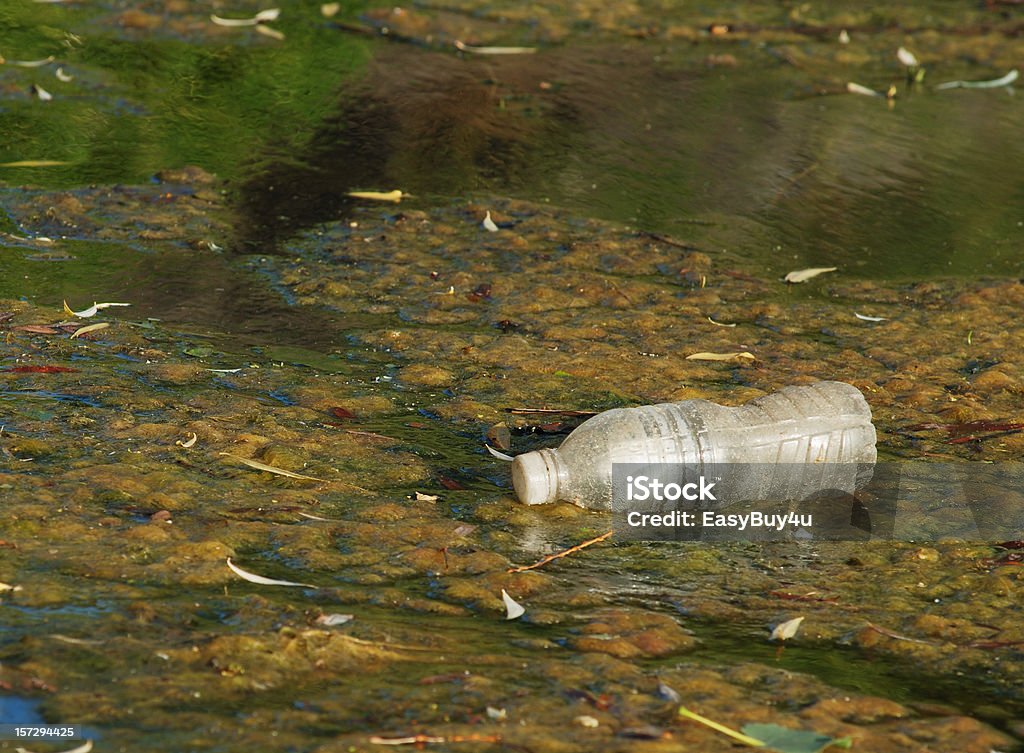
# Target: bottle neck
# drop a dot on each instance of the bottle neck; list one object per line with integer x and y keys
{"x": 539, "y": 476}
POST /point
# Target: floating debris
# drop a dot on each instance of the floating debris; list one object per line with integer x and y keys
{"x": 737, "y": 356}
{"x": 866, "y": 318}
{"x": 317, "y": 517}
{"x": 513, "y": 608}
{"x": 462, "y": 47}
{"x": 257, "y": 465}
{"x": 855, "y": 88}
{"x": 906, "y": 57}
{"x": 587, "y": 721}
{"x": 844, "y": 37}
{"x": 44, "y": 96}
{"x": 188, "y": 443}
{"x": 268, "y": 32}
{"x": 271, "y": 14}
{"x": 720, "y": 324}
{"x": 64, "y": 77}
{"x": 31, "y": 63}
{"x": 802, "y": 275}
{"x": 745, "y": 739}
{"x": 333, "y": 620}
{"x": 35, "y": 163}
{"x": 488, "y": 223}
{"x": 254, "y": 578}
{"x": 395, "y": 196}
{"x": 563, "y": 553}
{"x": 1006, "y": 80}
{"x": 91, "y": 311}
{"x": 89, "y": 328}
{"x": 87, "y": 745}
{"x": 499, "y": 455}
{"x": 329, "y": 10}
{"x": 786, "y": 630}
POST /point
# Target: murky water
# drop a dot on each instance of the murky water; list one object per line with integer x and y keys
{"x": 649, "y": 167}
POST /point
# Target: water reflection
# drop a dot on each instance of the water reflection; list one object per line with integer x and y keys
{"x": 735, "y": 158}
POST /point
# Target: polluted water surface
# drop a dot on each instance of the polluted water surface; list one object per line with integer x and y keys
{"x": 256, "y": 509}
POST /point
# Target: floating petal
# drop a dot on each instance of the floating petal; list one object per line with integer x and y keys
{"x": 906, "y": 57}
{"x": 497, "y": 454}
{"x": 91, "y": 311}
{"x": 331, "y": 620}
{"x": 859, "y": 89}
{"x": 865, "y": 318}
{"x": 513, "y": 608}
{"x": 253, "y": 578}
{"x": 188, "y": 442}
{"x": 802, "y": 275}
{"x": 785, "y": 630}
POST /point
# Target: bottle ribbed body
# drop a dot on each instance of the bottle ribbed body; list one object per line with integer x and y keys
{"x": 826, "y": 424}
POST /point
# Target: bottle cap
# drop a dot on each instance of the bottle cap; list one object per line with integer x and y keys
{"x": 535, "y": 477}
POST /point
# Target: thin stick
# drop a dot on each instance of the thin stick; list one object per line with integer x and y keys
{"x": 557, "y": 555}
{"x": 550, "y": 411}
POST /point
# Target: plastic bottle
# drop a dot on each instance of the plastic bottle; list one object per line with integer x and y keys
{"x": 823, "y": 423}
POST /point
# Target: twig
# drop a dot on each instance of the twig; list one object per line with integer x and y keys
{"x": 424, "y": 739}
{"x": 897, "y": 636}
{"x": 557, "y": 555}
{"x": 550, "y": 412}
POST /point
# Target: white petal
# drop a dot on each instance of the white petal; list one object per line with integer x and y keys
{"x": 802, "y": 275}
{"x": 785, "y": 630}
{"x": 513, "y": 608}
{"x": 906, "y": 57}
{"x": 498, "y": 455}
{"x": 253, "y": 578}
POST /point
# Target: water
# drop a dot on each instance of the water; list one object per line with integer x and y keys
{"x": 633, "y": 138}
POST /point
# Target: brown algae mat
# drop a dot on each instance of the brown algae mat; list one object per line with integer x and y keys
{"x": 128, "y": 478}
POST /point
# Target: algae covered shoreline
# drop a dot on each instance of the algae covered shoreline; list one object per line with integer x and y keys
{"x": 368, "y": 350}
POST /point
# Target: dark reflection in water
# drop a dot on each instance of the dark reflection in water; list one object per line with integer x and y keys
{"x": 439, "y": 126}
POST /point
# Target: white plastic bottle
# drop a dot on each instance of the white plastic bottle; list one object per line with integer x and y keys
{"x": 827, "y": 424}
